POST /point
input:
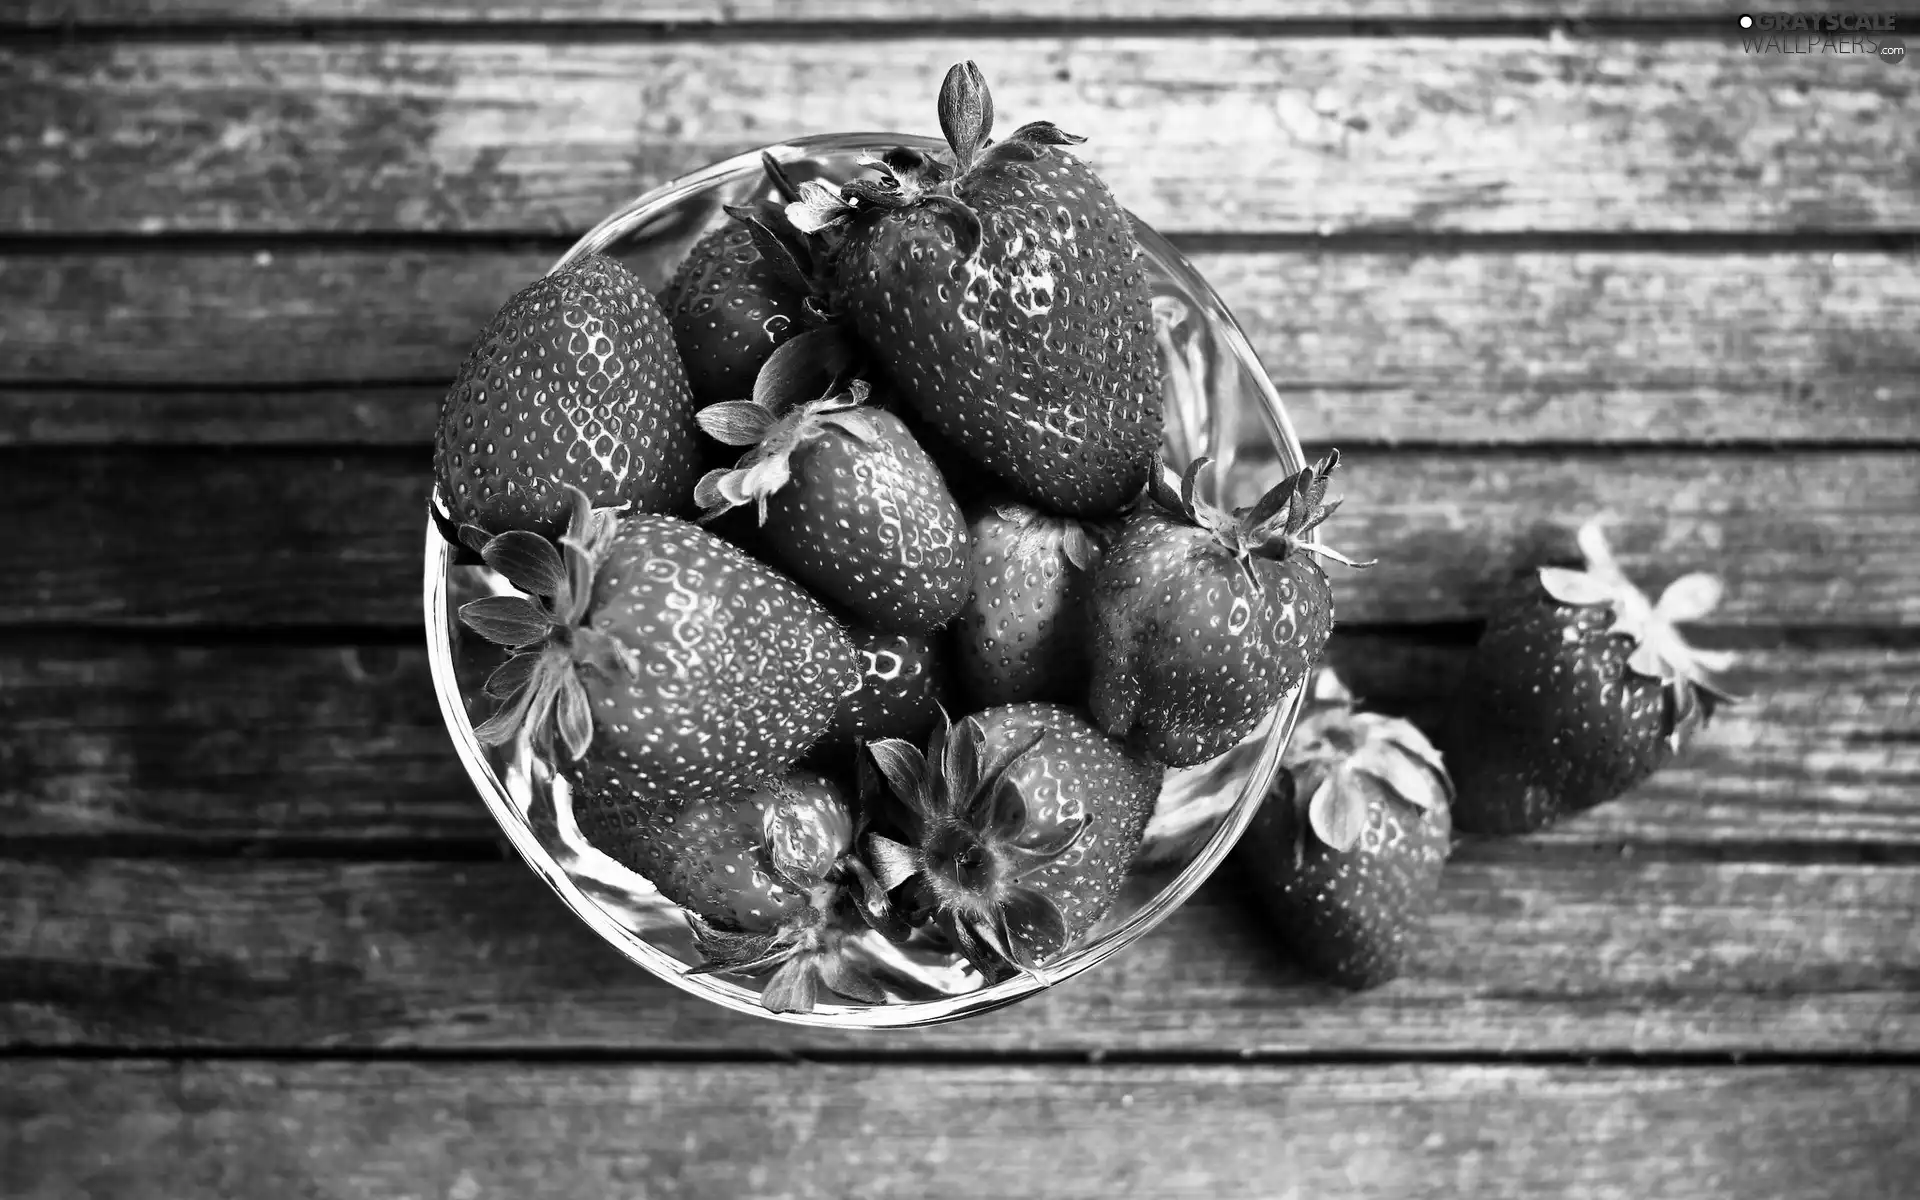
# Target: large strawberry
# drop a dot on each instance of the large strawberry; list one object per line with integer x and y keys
{"x": 1346, "y": 852}
{"x": 1021, "y": 822}
{"x": 574, "y": 383}
{"x": 1204, "y": 620}
{"x": 1578, "y": 689}
{"x": 1024, "y": 632}
{"x": 742, "y": 291}
{"x": 1007, "y": 300}
{"x": 848, "y": 503}
{"x": 656, "y": 664}
{"x": 770, "y": 886}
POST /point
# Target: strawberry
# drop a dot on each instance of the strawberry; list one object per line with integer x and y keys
{"x": 741, "y": 292}
{"x": 574, "y": 383}
{"x": 1578, "y": 689}
{"x": 672, "y": 667}
{"x": 1006, "y": 299}
{"x": 903, "y": 679}
{"x": 1204, "y": 620}
{"x": 849, "y": 503}
{"x": 715, "y": 857}
{"x": 769, "y": 884}
{"x": 1346, "y": 852}
{"x": 1023, "y": 633}
{"x": 1021, "y": 822}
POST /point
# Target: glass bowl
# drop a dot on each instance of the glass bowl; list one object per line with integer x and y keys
{"x": 1213, "y": 382}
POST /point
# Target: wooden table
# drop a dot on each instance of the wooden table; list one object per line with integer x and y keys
{"x": 258, "y": 937}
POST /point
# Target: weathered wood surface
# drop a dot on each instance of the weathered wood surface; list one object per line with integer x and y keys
{"x": 1241, "y": 135}
{"x": 1439, "y": 347}
{"x": 1559, "y": 952}
{"x": 1405, "y": 1132}
{"x": 299, "y": 538}
{"x": 194, "y": 745}
{"x": 455, "y": 13}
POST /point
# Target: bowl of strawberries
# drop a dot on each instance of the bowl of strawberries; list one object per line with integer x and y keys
{"x": 831, "y": 584}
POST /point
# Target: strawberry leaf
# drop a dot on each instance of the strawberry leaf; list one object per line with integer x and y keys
{"x": 870, "y": 897}
{"x": 1036, "y": 930}
{"x": 893, "y": 864}
{"x": 1689, "y": 598}
{"x": 819, "y": 207}
{"x": 507, "y": 620}
{"x": 1404, "y": 777}
{"x": 573, "y": 716}
{"x": 1576, "y": 587}
{"x": 528, "y": 561}
{"x": 503, "y": 726}
{"x": 1045, "y": 133}
{"x": 961, "y": 765}
{"x": 904, "y": 768}
{"x": 1190, "y": 483}
{"x": 790, "y": 262}
{"x": 474, "y": 538}
{"x": 777, "y": 175}
{"x": 966, "y": 112}
{"x": 1270, "y": 506}
{"x": 793, "y": 988}
{"x": 1338, "y": 811}
{"x": 736, "y": 422}
{"x": 801, "y": 368}
{"x": 846, "y": 979}
{"x": 1164, "y": 487}
{"x": 980, "y": 948}
{"x": 708, "y": 495}
{"x": 995, "y": 778}
{"x": 512, "y": 675}
{"x": 1078, "y": 546}
{"x": 1022, "y": 860}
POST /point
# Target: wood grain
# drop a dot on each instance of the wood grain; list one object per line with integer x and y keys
{"x": 310, "y": 346}
{"x": 113, "y": 1131}
{"x": 1217, "y": 134}
{"x": 139, "y": 742}
{"x": 300, "y": 538}
{"x": 84, "y": 13}
{"x": 1551, "y": 953}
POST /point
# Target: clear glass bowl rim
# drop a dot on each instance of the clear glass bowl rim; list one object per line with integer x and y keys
{"x": 915, "y": 1014}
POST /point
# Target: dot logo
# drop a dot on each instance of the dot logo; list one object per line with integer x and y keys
{"x": 1892, "y": 51}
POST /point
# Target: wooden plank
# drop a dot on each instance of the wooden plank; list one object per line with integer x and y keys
{"x": 175, "y": 13}
{"x": 305, "y": 744}
{"x": 113, "y": 1131}
{"x": 1573, "y": 953}
{"x": 1420, "y": 347}
{"x": 299, "y": 538}
{"x": 1233, "y": 134}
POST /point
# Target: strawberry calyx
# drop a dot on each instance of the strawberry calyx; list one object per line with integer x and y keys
{"x": 1659, "y": 650}
{"x": 812, "y": 852}
{"x": 772, "y": 438}
{"x": 1280, "y": 524}
{"x": 539, "y": 686}
{"x": 1344, "y": 763}
{"x": 802, "y": 258}
{"x": 969, "y": 852}
{"x": 1044, "y": 539}
{"x": 908, "y": 177}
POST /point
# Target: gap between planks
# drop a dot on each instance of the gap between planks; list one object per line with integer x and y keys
{"x": 1225, "y": 135}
